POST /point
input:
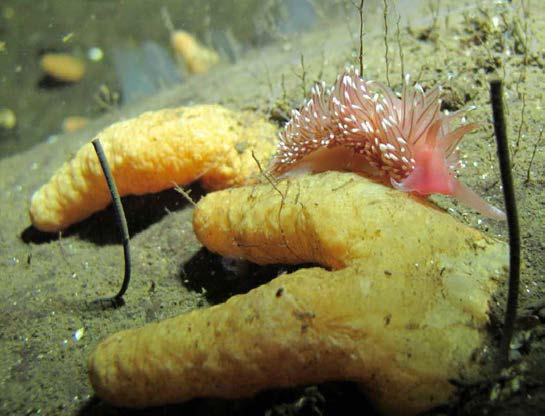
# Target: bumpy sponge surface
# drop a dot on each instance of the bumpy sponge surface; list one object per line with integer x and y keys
{"x": 154, "y": 152}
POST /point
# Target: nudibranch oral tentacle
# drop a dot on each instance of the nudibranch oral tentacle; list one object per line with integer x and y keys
{"x": 405, "y": 141}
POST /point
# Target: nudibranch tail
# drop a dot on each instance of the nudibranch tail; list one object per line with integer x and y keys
{"x": 406, "y": 141}
{"x": 470, "y": 199}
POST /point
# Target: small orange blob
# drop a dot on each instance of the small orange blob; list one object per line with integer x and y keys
{"x": 63, "y": 67}
{"x": 73, "y": 123}
{"x": 197, "y": 57}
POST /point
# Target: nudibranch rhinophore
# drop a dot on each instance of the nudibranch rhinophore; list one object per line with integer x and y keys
{"x": 401, "y": 307}
{"x": 153, "y": 152}
{"x": 361, "y": 125}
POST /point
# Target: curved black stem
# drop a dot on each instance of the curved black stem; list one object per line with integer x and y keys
{"x": 496, "y": 98}
{"x": 121, "y": 221}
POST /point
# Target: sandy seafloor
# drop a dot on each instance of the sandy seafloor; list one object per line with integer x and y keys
{"x": 47, "y": 283}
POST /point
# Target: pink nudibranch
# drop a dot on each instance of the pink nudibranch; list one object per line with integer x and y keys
{"x": 361, "y": 125}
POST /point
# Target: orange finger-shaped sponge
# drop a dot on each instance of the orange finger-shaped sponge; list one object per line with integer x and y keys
{"x": 405, "y": 312}
{"x": 153, "y": 152}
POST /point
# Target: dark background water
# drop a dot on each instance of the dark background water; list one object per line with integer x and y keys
{"x": 28, "y": 29}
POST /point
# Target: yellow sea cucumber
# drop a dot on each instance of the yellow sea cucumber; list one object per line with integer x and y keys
{"x": 153, "y": 152}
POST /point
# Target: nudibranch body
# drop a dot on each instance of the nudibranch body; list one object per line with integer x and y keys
{"x": 363, "y": 126}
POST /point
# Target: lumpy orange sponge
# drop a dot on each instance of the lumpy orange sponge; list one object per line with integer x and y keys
{"x": 154, "y": 152}
{"x": 402, "y": 307}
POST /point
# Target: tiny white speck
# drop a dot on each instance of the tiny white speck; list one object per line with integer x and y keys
{"x": 77, "y": 335}
{"x": 95, "y": 54}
